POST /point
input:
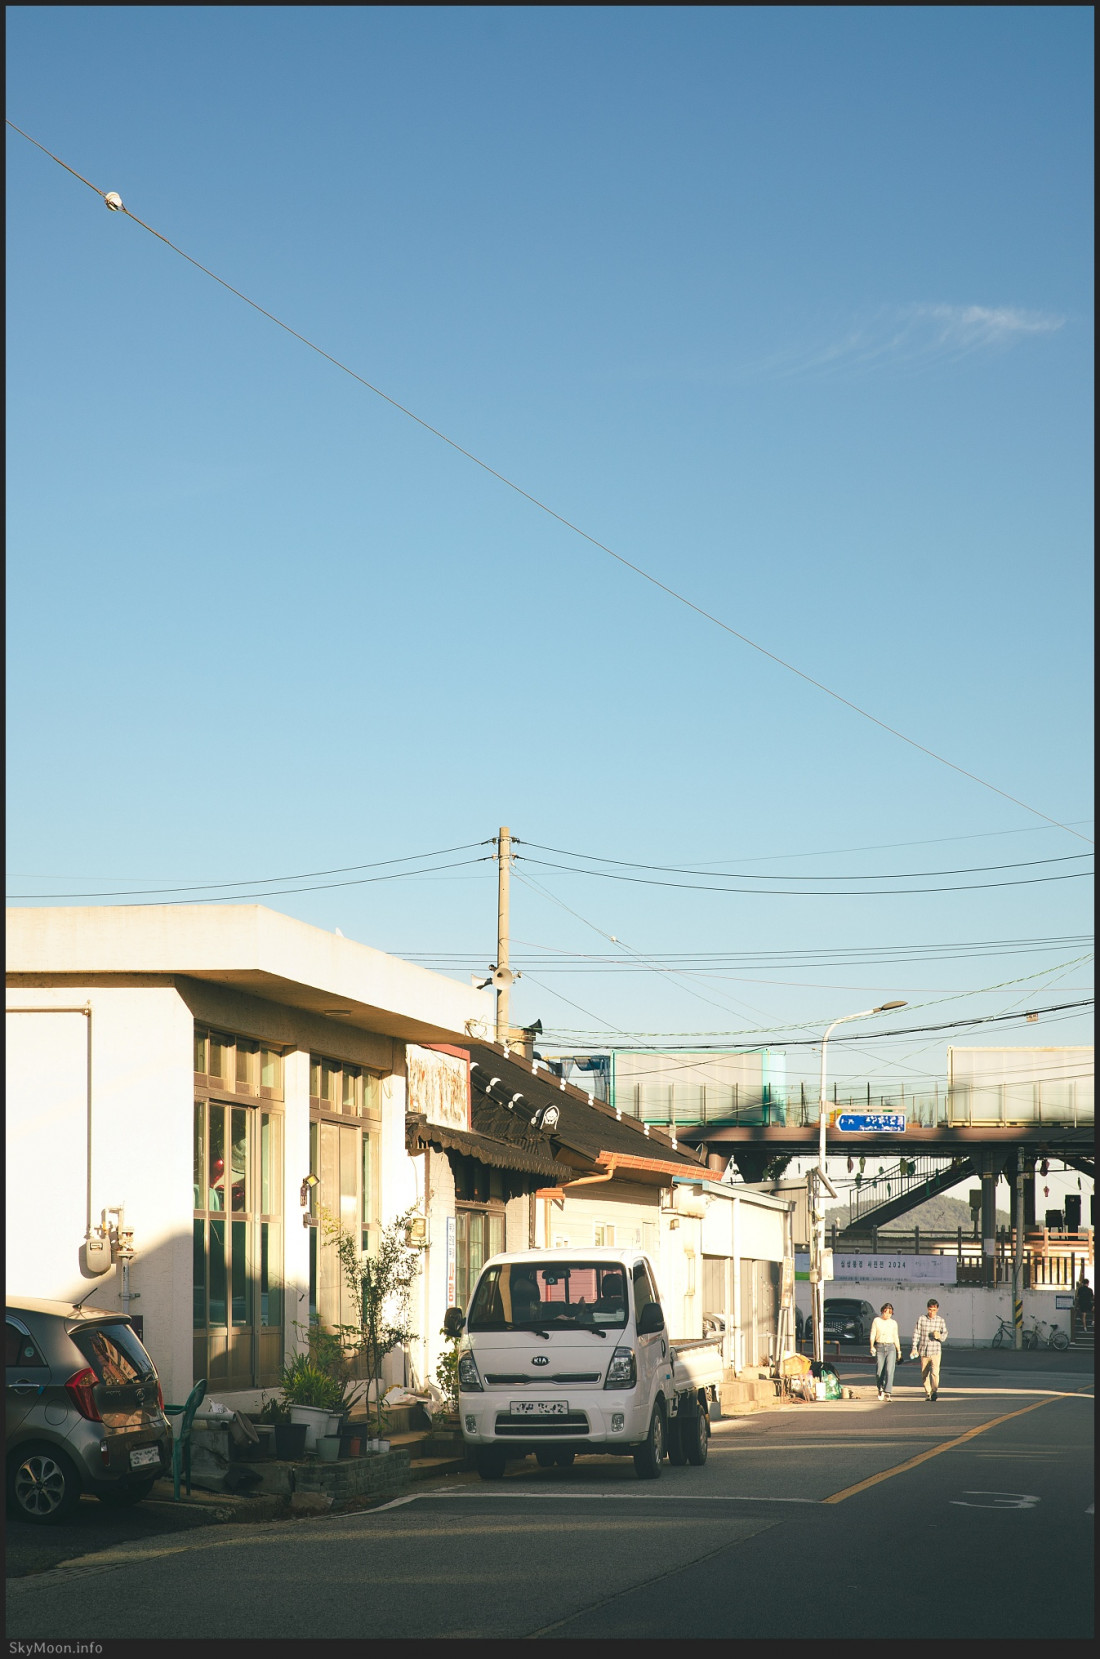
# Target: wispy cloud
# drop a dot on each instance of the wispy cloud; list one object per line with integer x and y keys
{"x": 909, "y": 337}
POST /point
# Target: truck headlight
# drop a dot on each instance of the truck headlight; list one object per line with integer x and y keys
{"x": 622, "y": 1372}
{"x": 468, "y": 1378}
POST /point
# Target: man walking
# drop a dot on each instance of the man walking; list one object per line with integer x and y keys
{"x": 931, "y": 1331}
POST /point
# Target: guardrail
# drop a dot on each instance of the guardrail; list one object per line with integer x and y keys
{"x": 1064, "y": 1104}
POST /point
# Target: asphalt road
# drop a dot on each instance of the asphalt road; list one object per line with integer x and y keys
{"x": 969, "y": 1517}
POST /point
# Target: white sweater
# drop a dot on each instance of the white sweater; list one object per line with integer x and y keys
{"x": 886, "y": 1332}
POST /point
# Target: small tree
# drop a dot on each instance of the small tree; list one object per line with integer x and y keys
{"x": 378, "y": 1285}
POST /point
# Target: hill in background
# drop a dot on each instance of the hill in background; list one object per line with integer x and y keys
{"x": 937, "y": 1215}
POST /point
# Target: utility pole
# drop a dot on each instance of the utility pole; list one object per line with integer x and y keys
{"x": 1018, "y": 1256}
{"x": 503, "y": 975}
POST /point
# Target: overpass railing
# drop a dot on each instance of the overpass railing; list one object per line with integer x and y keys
{"x": 1061, "y": 1103}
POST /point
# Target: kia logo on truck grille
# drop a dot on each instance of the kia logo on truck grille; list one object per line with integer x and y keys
{"x": 540, "y": 1359}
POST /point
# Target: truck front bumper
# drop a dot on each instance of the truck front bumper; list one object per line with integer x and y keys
{"x": 604, "y": 1419}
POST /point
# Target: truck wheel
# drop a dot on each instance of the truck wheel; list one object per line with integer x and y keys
{"x": 491, "y": 1461}
{"x": 696, "y": 1432}
{"x": 677, "y": 1441}
{"x": 649, "y": 1455}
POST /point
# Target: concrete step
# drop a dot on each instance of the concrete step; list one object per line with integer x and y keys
{"x": 740, "y": 1395}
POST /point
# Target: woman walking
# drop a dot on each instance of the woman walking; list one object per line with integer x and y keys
{"x": 886, "y": 1349}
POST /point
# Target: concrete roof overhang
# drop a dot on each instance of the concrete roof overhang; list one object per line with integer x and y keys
{"x": 253, "y": 949}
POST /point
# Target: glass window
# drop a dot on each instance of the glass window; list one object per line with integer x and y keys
{"x": 216, "y": 1165}
{"x": 328, "y": 1072}
{"x": 217, "y": 1056}
{"x": 200, "y": 1051}
{"x": 19, "y": 1349}
{"x": 315, "y": 1077}
{"x": 350, "y": 1091}
{"x": 246, "y": 1064}
{"x": 242, "y": 1284}
{"x": 239, "y": 1120}
{"x": 200, "y": 1155}
{"x": 217, "y": 1304}
{"x": 643, "y": 1288}
{"x": 271, "y": 1070}
{"x": 198, "y": 1275}
{"x": 372, "y": 1095}
{"x": 548, "y": 1295}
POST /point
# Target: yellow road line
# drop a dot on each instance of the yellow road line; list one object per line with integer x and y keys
{"x": 899, "y": 1469}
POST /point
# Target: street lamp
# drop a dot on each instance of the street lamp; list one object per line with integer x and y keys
{"x": 817, "y": 1288}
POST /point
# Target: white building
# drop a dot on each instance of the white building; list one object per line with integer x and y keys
{"x": 194, "y": 1064}
{"x": 228, "y": 1077}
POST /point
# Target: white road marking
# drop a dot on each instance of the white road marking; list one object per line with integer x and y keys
{"x": 1002, "y": 1500}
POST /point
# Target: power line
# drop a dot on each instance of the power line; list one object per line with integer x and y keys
{"x": 283, "y": 892}
{"x": 568, "y": 524}
{"x": 787, "y": 893}
{"x": 739, "y": 875}
{"x": 252, "y": 881}
{"x": 863, "y": 1036}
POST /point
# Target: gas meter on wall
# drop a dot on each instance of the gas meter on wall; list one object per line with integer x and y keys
{"x": 97, "y": 1253}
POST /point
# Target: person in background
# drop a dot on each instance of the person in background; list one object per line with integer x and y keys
{"x": 1083, "y": 1302}
{"x": 885, "y": 1349}
{"x": 930, "y": 1333}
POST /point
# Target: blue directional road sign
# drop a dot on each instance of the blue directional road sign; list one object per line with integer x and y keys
{"x": 890, "y": 1123}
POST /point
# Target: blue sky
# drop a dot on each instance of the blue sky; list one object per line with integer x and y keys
{"x": 790, "y": 307}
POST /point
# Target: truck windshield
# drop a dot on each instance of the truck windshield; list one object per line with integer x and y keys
{"x": 531, "y": 1296}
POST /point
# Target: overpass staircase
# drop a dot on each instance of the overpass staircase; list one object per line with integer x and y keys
{"x": 903, "y": 1186}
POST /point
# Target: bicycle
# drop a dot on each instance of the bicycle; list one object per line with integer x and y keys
{"x": 1057, "y": 1338}
{"x": 1005, "y": 1332}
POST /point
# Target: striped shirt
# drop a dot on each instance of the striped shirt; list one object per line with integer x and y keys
{"x": 930, "y": 1332}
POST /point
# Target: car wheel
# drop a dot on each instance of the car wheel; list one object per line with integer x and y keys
{"x": 122, "y": 1497}
{"x": 679, "y": 1432}
{"x": 545, "y": 1458}
{"x": 696, "y": 1432}
{"x": 43, "y": 1485}
{"x": 649, "y": 1456}
{"x": 491, "y": 1461}
{"x": 564, "y": 1460}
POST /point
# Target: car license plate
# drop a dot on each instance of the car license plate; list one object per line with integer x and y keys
{"x": 144, "y": 1457}
{"x": 539, "y": 1408}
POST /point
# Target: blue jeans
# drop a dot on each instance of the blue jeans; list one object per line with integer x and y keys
{"x": 886, "y": 1356}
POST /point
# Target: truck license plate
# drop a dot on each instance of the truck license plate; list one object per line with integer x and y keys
{"x": 144, "y": 1456}
{"x": 539, "y": 1408}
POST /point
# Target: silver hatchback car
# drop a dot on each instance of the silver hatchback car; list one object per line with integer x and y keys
{"x": 84, "y": 1411}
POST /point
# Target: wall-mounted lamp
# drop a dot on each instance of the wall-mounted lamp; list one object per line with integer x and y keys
{"x": 308, "y": 1184}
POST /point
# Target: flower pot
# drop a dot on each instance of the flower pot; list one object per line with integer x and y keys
{"x": 315, "y": 1420}
{"x": 328, "y": 1448}
{"x": 290, "y": 1440}
{"x": 335, "y": 1418}
{"x": 349, "y": 1445}
{"x": 383, "y": 1445}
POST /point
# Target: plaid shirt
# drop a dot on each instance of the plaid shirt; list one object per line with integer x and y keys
{"x": 930, "y": 1332}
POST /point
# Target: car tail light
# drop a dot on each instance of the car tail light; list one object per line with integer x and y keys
{"x": 79, "y": 1388}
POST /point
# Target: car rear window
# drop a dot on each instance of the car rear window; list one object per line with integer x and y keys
{"x": 114, "y": 1352}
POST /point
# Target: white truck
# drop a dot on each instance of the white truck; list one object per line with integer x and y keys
{"x": 566, "y": 1351}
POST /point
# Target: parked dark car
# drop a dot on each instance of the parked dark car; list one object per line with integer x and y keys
{"x": 847, "y": 1320}
{"x": 84, "y": 1411}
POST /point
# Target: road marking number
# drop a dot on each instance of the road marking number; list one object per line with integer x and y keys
{"x": 999, "y": 1500}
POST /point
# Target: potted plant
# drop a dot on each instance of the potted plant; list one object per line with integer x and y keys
{"x": 290, "y": 1438}
{"x": 310, "y": 1395}
{"x": 378, "y": 1285}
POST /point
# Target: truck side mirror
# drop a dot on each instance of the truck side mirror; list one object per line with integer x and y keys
{"x": 651, "y": 1319}
{"x": 454, "y": 1322}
